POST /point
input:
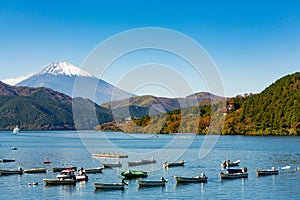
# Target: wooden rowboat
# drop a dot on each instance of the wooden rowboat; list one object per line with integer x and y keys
{"x": 143, "y": 183}
{"x": 196, "y": 179}
{"x": 7, "y": 160}
{"x": 262, "y": 172}
{"x": 35, "y": 170}
{"x": 141, "y": 162}
{"x": 111, "y": 165}
{"x": 60, "y": 181}
{"x": 173, "y": 164}
{"x": 93, "y": 170}
{"x": 109, "y": 186}
{"x": 233, "y": 175}
{"x": 10, "y": 172}
{"x": 59, "y": 169}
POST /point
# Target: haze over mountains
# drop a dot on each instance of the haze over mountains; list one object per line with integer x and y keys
{"x": 61, "y": 76}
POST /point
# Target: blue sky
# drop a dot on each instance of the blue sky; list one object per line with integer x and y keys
{"x": 253, "y": 43}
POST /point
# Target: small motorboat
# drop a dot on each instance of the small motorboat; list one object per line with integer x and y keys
{"x": 7, "y": 160}
{"x": 82, "y": 176}
{"x": 66, "y": 174}
{"x": 16, "y": 130}
{"x": 111, "y": 165}
{"x": 197, "y": 179}
{"x": 228, "y": 163}
{"x": 144, "y": 183}
{"x": 93, "y": 170}
{"x": 109, "y": 186}
{"x": 141, "y": 162}
{"x": 35, "y": 170}
{"x": 131, "y": 174}
{"x": 11, "y": 172}
{"x": 262, "y": 172}
{"x": 14, "y": 148}
{"x": 47, "y": 162}
{"x": 59, "y": 169}
{"x": 173, "y": 164}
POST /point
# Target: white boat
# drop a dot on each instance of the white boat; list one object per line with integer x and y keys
{"x": 109, "y": 186}
{"x": 111, "y": 165}
{"x": 35, "y": 170}
{"x": 228, "y": 163}
{"x": 233, "y": 175}
{"x": 66, "y": 174}
{"x": 16, "y": 130}
{"x": 141, "y": 162}
{"x": 81, "y": 176}
{"x": 196, "y": 179}
{"x": 144, "y": 183}
{"x": 262, "y": 172}
{"x": 173, "y": 164}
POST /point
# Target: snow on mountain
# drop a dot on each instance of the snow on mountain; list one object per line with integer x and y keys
{"x": 61, "y": 76}
{"x": 64, "y": 68}
{"x": 54, "y": 68}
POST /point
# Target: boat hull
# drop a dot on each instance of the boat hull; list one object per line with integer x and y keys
{"x": 111, "y": 165}
{"x": 59, "y": 181}
{"x": 109, "y": 186}
{"x": 10, "y": 172}
{"x": 35, "y": 170}
{"x": 93, "y": 170}
{"x": 197, "y": 179}
{"x": 233, "y": 175}
{"x": 106, "y": 155}
{"x": 266, "y": 172}
{"x": 174, "y": 164}
{"x": 59, "y": 169}
{"x": 130, "y": 174}
{"x": 151, "y": 183}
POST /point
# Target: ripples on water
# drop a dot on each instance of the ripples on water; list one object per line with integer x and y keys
{"x": 68, "y": 148}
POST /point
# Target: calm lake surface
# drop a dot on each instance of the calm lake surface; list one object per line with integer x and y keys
{"x": 203, "y": 154}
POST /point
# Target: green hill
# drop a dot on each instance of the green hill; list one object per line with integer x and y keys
{"x": 45, "y": 109}
{"x": 275, "y": 111}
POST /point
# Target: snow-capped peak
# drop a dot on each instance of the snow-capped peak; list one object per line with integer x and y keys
{"x": 64, "y": 68}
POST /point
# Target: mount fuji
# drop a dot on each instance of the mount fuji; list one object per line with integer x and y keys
{"x": 62, "y": 76}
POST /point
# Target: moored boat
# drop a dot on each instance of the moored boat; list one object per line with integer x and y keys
{"x": 109, "y": 186}
{"x": 262, "y": 172}
{"x": 35, "y": 170}
{"x": 108, "y": 155}
{"x": 228, "y": 163}
{"x": 81, "y": 176}
{"x": 7, "y": 160}
{"x": 233, "y": 175}
{"x": 11, "y": 172}
{"x": 66, "y": 174}
{"x": 47, "y": 161}
{"x": 111, "y": 165}
{"x": 93, "y": 170}
{"x": 143, "y": 183}
{"x": 197, "y": 179}
{"x": 173, "y": 164}
{"x": 59, "y": 169}
{"x": 141, "y": 162}
{"x": 130, "y": 174}
{"x": 60, "y": 181}
{"x": 230, "y": 171}
{"x": 16, "y": 130}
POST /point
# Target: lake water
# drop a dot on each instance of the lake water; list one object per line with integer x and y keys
{"x": 201, "y": 153}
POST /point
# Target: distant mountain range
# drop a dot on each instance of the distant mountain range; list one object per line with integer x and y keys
{"x": 61, "y": 76}
{"x": 45, "y": 109}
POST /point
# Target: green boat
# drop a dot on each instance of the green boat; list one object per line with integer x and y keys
{"x": 130, "y": 174}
